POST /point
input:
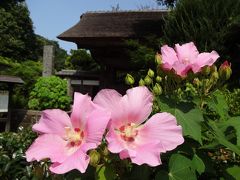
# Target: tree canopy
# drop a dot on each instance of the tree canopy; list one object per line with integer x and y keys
{"x": 17, "y": 38}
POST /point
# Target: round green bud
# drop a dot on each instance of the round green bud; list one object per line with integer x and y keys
{"x": 94, "y": 158}
{"x": 215, "y": 76}
{"x": 225, "y": 71}
{"x": 206, "y": 70}
{"x": 213, "y": 68}
{"x": 150, "y": 73}
{"x": 147, "y": 80}
{"x": 197, "y": 82}
{"x": 141, "y": 82}
{"x": 129, "y": 80}
{"x": 158, "y": 59}
{"x": 158, "y": 79}
{"x": 157, "y": 89}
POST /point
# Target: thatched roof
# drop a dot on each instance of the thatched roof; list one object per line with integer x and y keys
{"x": 114, "y": 25}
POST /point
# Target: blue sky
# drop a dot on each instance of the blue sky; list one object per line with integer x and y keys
{"x": 52, "y": 17}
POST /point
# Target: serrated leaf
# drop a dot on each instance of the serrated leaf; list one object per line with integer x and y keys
{"x": 234, "y": 171}
{"x": 190, "y": 122}
{"x": 232, "y": 122}
{"x": 218, "y": 104}
{"x": 198, "y": 163}
{"x": 180, "y": 168}
{"x": 220, "y": 137}
{"x": 189, "y": 118}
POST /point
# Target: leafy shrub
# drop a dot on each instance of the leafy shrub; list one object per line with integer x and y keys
{"x": 28, "y": 70}
{"x": 81, "y": 59}
{"x": 13, "y": 164}
{"x": 49, "y": 92}
{"x": 233, "y": 99}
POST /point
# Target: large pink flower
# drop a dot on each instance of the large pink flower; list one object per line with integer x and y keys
{"x": 186, "y": 57}
{"x": 130, "y": 135}
{"x": 64, "y": 140}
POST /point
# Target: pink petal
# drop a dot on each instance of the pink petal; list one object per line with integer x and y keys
{"x": 111, "y": 100}
{"x": 204, "y": 59}
{"x": 47, "y": 146}
{"x": 96, "y": 125}
{"x": 82, "y": 107}
{"x": 53, "y": 122}
{"x": 181, "y": 69}
{"x": 79, "y": 160}
{"x": 169, "y": 56}
{"x": 148, "y": 154}
{"x": 115, "y": 144}
{"x": 186, "y": 51}
{"x": 162, "y": 127}
{"x": 137, "y": 104}
{"x": 133, "y": 107}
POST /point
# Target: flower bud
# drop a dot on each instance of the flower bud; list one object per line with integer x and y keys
{"x": 158, "y": 79}
{"x": 150, "y": 73}
{"x": 225, "y": 70}
{"x": 94, "y": 158}
{"x": 206, "y": 70}
{"x": 141, "y": 82}
{"x": 158, "y": 59}
{"x": 147, "y": 80}
{"x": 197, "y": 82}
{"x": 129, "y": 80}
{"x": 157, "y": 89}
{"x": 215, "y": 76}
{"x": 213, "y": 68}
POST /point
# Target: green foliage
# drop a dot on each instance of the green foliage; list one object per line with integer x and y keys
{"x": 60, "y": 54}
{"x": 49, "y": 92}
{"x": 28, "y": 70}
{"x": 81, "y": 59}
{"x": 234, "y": 172}
{"x": 12, "y": 151}
{"x": 233, "y": 101}
{"x": 142, "y": 54}
{"x": 17, "y": 38}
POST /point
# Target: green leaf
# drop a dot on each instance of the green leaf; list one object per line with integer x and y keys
{"x": 198, "y": 163}
{"x": 218, "y": 104}
{"x": 105, "y": 172}
{"x": 232, "y": 122}
{"x": 180, "y": 168}
{"x": 190, "y": 122}
{"x": 234, "y": 171}
{"x": 189, "y": 118}
{"x": 163, "y": 175}
{"x": 220, "y": 137}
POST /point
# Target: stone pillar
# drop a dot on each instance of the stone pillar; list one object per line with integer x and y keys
{"x": 48, "y": 60}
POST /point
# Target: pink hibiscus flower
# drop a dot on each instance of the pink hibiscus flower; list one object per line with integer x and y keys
{"x": 64, "y": 140}
{"x": 186, "y": 57}
{"x": 129, "y": 135}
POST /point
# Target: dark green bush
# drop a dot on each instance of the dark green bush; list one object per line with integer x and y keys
{"x": 12, "y": 154}
{"x": 211, "y": 24}
{"x": 49, "y": 92}
{"x": 233, "y": 99}
{"x": 81, "y": 59}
